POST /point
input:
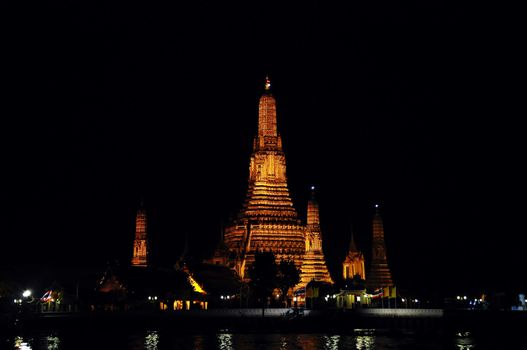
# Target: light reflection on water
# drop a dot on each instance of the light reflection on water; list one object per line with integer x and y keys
{"x": 365, "y": 339}
{"x": 464, "y": 341}
{"x": 359, "y": 339}
{"x": 332, "y": 342}
{"x": 151, "y": 340}
{"x": 225, "y": 341}
{"x": 21, "y": 344}
{"x": 49, "y": 342}
{"x": 52, "y": 342}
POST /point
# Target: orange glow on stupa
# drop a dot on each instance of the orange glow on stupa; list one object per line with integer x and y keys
{"x": 379, "y": 274}
{"x": 140, "y": 253}
{"x": 268, "y": 220}
{"x": 314, "y": 265}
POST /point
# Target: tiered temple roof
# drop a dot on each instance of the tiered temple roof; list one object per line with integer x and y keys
{"x": 354, "y": 262}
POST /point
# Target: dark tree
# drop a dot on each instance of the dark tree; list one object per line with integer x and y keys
{"x": 288, "y": 277}
{"x": 356, "y": 283}
{"x": 263, "y": 274}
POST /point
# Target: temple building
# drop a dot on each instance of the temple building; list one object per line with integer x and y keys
{"x": 314, "y": 265}
{"x": 268, "y": 221}
{"x": 140, "y": 251}
{"x": 353, "y": 263}
{"x": 379, "y": 274}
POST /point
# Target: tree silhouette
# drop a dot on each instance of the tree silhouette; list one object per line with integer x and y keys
{"x": 263, "y": 274}
{"x": 288, "y": 277}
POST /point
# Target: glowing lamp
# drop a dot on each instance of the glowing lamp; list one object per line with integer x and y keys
{"x": 26, "y": 293}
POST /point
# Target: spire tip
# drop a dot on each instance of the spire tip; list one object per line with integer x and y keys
{"x": 267, "y": 83}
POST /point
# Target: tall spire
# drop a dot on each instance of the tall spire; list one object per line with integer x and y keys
{"x": 268, "y": 219}
{"x": 313, "y": 213}
{"x": 140, "y": 253}
{"x": 267, "y": 117}
{"x": 314, "y": 264}
{"x": 352, "y": 246}
{"x": 379, "y": 275}
{"x": 378, "y": 229}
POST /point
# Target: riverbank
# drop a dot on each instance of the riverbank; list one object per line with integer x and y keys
{"x": 281, "y": 320}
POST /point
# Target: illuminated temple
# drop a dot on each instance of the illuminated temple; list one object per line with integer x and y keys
{"x": 379, "y": 274}
{"x": 314, "y": 265}
{"x": 353, "y": 263}
{"x": 140, "y": 250}
{"x": 268, "y": 221}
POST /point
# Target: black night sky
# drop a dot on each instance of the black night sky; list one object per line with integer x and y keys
{"x": 405, "y": 104}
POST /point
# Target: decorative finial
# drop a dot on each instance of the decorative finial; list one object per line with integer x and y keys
{"x": 267, "y": 83}
{"x": 313, "y": 188}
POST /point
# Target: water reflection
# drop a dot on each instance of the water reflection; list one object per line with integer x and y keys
{"x": 21, "y": 344}
{"x": 225, "y": 341}
{"x": 365, "y": 339}
{"x": 283, "y": 343}
{"x": 52, "y": 342}
{"x": 332, "y": 342}
{"x": 47, "y": 342}
{"x": 151, "y": 340}
{"x": 464, "y": 341}
{"x": 360, "y": 339}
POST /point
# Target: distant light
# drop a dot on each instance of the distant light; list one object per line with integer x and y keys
{"x": 458, "y": 297}
{"x": 222, "y": 296}
{"x": 312, "y": 188}
{"x": 376, "y": 205}
{"x": 465, "y": 297}
{"x": 358, "y": 298}
{"x": 403, "y": 300}
{"x": 416, "y": 300}
{"x": 26, "y": 293}
{"x": 294, "y": 299}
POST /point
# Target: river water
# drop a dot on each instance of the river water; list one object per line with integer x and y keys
{"x": 161, "y": 339}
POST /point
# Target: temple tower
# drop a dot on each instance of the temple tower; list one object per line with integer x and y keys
{"x": 140, "y": 254}
{"x": 314, "y": 264}
{"x": 379, "y": 274}
{"x": 268, "y": 220}
{"x": 353, "y": 263}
